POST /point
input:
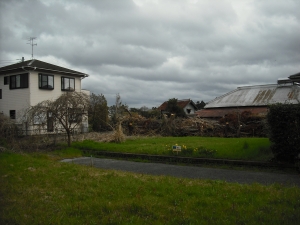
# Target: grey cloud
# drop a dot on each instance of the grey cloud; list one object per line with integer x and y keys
{"x": 150, "y": 51}
{"x": 279, "y": 8}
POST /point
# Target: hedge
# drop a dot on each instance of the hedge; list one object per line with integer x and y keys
{"x": 284, "y": 131}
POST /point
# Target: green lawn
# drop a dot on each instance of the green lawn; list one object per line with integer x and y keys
{"x": 37, "y": 189}
{"x": 227, "y": 148}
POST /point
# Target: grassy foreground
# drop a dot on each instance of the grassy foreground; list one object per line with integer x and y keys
{"x": 212, "y": 147}
{"x": 36, "y": 189}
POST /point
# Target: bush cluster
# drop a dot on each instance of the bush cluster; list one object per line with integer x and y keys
{"x": 284, "y": 131}
{"x": 8, "y": 131}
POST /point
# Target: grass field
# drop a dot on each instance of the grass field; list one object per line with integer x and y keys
{"x": 38, "y": 189}
{"x": 226, "y": 148}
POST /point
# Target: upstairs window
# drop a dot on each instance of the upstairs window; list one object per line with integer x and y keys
{"x": 46, "y": 81}
{"x": 67, "y": 84}
{"x": 18, "y": 81}
{"x": 6, "y": 80}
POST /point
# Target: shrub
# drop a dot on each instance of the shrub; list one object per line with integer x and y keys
{"x": 8, "y": 132}
{"x": 284, "y": 131}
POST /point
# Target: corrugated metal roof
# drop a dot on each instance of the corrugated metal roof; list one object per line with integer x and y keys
{"x": 260, "y": 95}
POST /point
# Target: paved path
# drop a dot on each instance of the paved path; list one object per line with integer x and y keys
{"x": 244, "y": 177}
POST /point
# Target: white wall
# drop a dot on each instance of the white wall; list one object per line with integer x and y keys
{"x": 189, "y": 106}
{"x": 38, "y": 95}
{"x": 15, "y": 99}
{"x": 87, "y": 92}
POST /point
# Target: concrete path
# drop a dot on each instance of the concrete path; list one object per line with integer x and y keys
{"x": 243, "y": 177}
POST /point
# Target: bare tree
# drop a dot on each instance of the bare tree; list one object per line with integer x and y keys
{"x": 66, "y": 113}
{"x": 118, "y": 131}
{"x": 117, "y": 111}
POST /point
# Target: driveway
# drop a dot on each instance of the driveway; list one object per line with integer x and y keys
{"x": 236, "y": 176}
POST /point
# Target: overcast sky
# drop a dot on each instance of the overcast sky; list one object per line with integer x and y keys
{"x": 149, "y": 51}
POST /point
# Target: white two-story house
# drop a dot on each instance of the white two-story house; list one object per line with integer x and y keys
{"x": 29, "y": 82}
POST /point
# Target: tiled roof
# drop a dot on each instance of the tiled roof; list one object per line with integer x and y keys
{"x": 181, "y": 103}
{"x": 38, "y": 65}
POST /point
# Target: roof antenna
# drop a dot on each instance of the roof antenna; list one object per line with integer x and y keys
{"x": 21, "y": 60}
{"x": 32, "y": 44}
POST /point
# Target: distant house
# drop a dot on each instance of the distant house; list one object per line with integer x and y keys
{"x": 29, "y": 82}
{"x": 295, "y": 79}
{"x": 254, "y": 99}
{"x": 188, "y": 106}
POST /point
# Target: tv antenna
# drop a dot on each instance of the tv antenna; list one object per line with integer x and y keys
{"x": 31, "y": 39}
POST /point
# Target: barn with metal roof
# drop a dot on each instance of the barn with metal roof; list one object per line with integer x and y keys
{"x": 254, "y": 98}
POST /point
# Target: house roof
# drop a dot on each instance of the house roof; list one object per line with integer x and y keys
{"x": 41, "y": 66}
{"x": 181, "y": 103}
{"x": 221, "y": 112}
{"x": 260, "y": 95}
{"x": 295, "y": 77}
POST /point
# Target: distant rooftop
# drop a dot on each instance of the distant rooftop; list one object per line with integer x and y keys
{"x": 259, "y": 95}
{"x": 181, "y": 103}
{"x": 295, "y": 77}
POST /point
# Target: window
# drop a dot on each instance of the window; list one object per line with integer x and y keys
{"x": 12, "y": 114}
{"x": 67, "y": 84}
{"x": 39, "y": 118}
{"x": 6, "y": 80}
{"x": 50, "y": 122}
{"x": 0, "y": 93}
{"x": 75, "y": 115}
{"x": 18, "y": 81}
{"x": 46, "y": 81}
